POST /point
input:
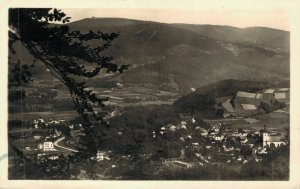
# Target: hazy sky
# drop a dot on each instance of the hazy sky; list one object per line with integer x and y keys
{"x": 278, "y": 18}
{"x": 279, "y": 14}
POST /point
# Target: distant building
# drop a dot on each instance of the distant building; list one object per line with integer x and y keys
{"x": 53, "y": 157}
{"x": 246, "y": 104}
{"x": 228, "y": 109}
{"x": 173, "y": 128}
{"x": 218, "y": 137}
{"x": 27, "y": 148}
{"x": 268, "y": 95}
{"x": 248, "y": 98}
{"x": 269, "y": 139}
{"x": 245, "y": 110}
{"x": 48, "y": 146}
{"x": 40, "y": 146}
{"x": 37, "y": 137}
{"x": 284, "y": 89}
{"x": 101, "y": 155}
{"x": 204, "y": 132}
{"x": 280, "y": 96}
{"x": 269, "y": 91}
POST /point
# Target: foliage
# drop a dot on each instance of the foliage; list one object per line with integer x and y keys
{"x": 69, "y": 58}
{"x": 196, "y": 102}
{"x": 269, "y": 107}
{"x": 65, "y": 53}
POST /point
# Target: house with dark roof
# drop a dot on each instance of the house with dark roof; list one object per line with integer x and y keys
{"x": 246, "y": 104}
{"x": 248, "y": 98}
{"x": 228, "y": 109}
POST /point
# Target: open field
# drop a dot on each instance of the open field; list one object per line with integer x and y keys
{"x": 29, "y": 116}
{"x": 273, "y": 120}
{"x": 22, "y": 143}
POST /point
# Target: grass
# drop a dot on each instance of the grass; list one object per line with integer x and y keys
{"x": 273, "y": 120}
{"x": 30, "y": 116}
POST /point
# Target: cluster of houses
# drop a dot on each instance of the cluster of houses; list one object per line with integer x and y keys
{"x": 42, "y": 142}
{"x": 247, "y": 103}
{"x": 223, "y": 143}
{"x": 39, "y": 123}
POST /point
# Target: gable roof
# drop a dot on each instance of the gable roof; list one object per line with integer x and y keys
{"x": 203, "y": 130}
{"x": 228, "y": 106}
{"x": 269, "y": 91}
{"x": 284, "y": 89}
{"x": 258, "y": 96}
{"x": 245, "y": 94}
{"x": 280, "y": 96}
{"x": 249, "y": 106}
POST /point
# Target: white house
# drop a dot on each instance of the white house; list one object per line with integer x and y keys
{"x": 272, "y": 139}
{"x": 53, "y": 157}
{"x": 173, "y": 128}
{"x": 37, "y": 137}
{"x": 48, "y": 146}
{"x": 218, "y": 137}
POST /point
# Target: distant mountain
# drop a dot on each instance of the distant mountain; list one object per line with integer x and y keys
{"x": 177, "y": 57}
{"x": 257, "y": 36}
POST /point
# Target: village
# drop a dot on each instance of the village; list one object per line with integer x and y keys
{"x": 237, "y": 138}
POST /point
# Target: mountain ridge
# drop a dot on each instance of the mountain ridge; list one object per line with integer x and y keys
{"x": 178, "y": 58}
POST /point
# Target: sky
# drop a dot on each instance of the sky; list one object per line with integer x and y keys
{"x": 278, "y": 18}
{"x": 279, "y": 14}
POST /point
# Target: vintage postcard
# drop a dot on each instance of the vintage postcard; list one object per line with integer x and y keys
{"x": 120, "y": 93}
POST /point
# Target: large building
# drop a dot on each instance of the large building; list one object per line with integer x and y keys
{"x": 246, "y": 104}
{"x": 278, "y": 94}
{"x": 248, "y": 98}
{"x": 269, "y": 139}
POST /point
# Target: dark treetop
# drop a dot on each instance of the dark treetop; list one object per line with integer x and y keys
{"x": 66, "y": 54}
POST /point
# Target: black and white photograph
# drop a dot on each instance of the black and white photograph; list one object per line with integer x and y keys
{"x": 148, "y": 94}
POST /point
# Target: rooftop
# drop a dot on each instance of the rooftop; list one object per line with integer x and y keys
{"x": 227, "y": 106}
{"x": 245, "y": 94}
{"x": 280, "y": 96}
{"x": 269, "y": 91}
{"x": 249, "y": 106}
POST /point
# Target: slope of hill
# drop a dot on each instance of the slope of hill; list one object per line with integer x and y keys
{"x": 176, "y": 57}
{"x": 257, "y": 36}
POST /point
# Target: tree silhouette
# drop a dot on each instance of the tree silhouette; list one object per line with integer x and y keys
{"x": 68, "y": 56}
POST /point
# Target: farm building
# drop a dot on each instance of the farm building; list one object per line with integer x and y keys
{"x": 268, "y": 95}
{"x": 245, "y": 110}
{"x": 228, "y": 109}
{"x": 248, "y": 98}
{"x": 269, "y": 91}
{"x": 282, "y": 95}
{"x": 284, "y": 89}
{"x": 246, "y": 104}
